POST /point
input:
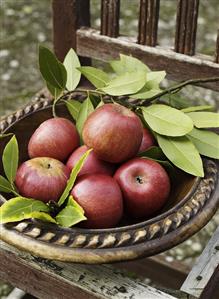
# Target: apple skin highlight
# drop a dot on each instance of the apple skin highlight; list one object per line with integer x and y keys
{"x": 101, "y": 198}
{"x": 55, "y": 138}
{"x": 145, "y": 186}
{"x": 42, "y": 178}
{"x": 114, "y": 132}
{"x": 92, "y": 164}
{"x": 148, "y": 140}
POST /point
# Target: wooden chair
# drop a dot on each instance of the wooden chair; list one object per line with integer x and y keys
{"x": 50, "y": 279}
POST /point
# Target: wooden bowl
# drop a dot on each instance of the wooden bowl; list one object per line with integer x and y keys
{"x": 192, "y": 203}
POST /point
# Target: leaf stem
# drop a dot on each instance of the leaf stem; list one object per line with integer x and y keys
{"x": 86, "y": 91}
{"x": 175, "y": 88}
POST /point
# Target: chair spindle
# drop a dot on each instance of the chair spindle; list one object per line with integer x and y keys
{"x": 186, "y": 26}
{"x": 148, "y": 22}
{"x": 110, "y": 12}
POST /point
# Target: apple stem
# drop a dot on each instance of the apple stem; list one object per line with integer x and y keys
{"x": 139, "y": 180}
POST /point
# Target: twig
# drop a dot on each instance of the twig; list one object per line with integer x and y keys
{"x": 178, "y": 87}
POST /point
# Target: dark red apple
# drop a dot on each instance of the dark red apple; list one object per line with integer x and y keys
{"x": 148, "y": 140}
{"x": 42, "y": 178}
{"x": 114, "y": 132}
{"x": 92, "y": 163}
{"x": 101, "y": 198}
{"x": 145, "y": 186}
{"x": 55, "y": 138}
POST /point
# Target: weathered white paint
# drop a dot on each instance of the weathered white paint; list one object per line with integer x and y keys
{"x": 203, "y": 268}
{"x": 102, "y": 281}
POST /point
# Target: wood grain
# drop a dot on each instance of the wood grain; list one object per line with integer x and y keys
{"x": 148, "y": 22}
{"x": 55, "y": 280}
{"x": 186, "y": 26}
{"x": 110, "y": 11}
{"x": 217, "y": 49}
{"x": 179, "y": 67}
{"x": 204, "y": 268}
{"x": 68, "y": 15}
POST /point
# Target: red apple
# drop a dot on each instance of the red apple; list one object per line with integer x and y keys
{"x": 145, "y": 186}
{"x": 42, "y": 178}
{"x": 55, "y": 138}
{"x": 101, "y": 198}
{"x": 114, "y": 132}
{"x": 92, "y": 163}
{"x": 148, "y": 140}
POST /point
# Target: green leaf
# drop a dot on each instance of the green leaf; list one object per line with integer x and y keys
{"x": 154, "y": 152}
{"x": 56, "y": 92}
{"x": 5, "y": 135}
{"x": 127, "y": 83}
{"x": 69, "y": 216}
{"x": 74, "y": 204}
{"x": 166, "y": 120}
{"x": 10, "y": 159}
{"x": 146, "y": 93}
{"x": 95, "y": 100}
{"x": 182, "y": 153}
{"x": 85, "y": 110}
{"x": 73, "y": 108}
{"x": 71, "y": 64}
{"x": 73, "y": 177}
{"x": 41, "y": 216}
{"x": 128, "y": 64}
{"x": 51, "y": 69}
{"x": 197, "y": 108}
{"x": 205, "y": 119}
{"x": 206, "y": 142}
{"x": 5, "y": 185}
{"x": 19, "y": 208}
{"x": 96, "y": 76}
{"x": 157, "y": 76}
{"x": 149, "y": 90}
{"x": 101, "y": 103}
{"x": 178, "y": 102}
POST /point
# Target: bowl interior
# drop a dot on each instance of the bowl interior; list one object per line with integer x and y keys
{"x": 181, "y": 186}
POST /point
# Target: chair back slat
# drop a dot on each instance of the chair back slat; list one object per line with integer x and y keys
{"x": 110, "y": 12}
{"x": 186, "y": 26}
{"x": 217, "y": 49}
{"x": 71, "y": 19}
{"x": 68, "y": 15}
{"x": 148, "y": 22}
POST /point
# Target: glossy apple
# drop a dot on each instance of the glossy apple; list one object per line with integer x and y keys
{"x": 55, "y": 138}
{"x": 42, "y": 178}
{"x": 148, "y": 140}
{"x": 145, "y": 186}
{"x": 114, "y": 132}
{"x": 92, "y": 163}
{"x": 101, "y": 198}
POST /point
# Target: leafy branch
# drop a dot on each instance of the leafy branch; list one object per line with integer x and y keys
{"x": 176, "y": 88}
{"x": 132, "y": 84}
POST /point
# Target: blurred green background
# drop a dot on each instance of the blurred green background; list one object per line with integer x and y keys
{"x": 24, "y": 24}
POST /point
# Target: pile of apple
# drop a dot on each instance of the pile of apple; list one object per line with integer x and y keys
{"x": 112, "y": 181}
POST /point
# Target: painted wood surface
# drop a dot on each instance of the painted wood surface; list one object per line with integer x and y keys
{"x": 204, "y": 268}
{"x": 178, "y": 66}
{"x": 55, "y": 280}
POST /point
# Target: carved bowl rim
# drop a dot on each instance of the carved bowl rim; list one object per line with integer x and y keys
{"x": 124, "y": 245}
